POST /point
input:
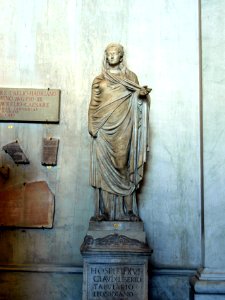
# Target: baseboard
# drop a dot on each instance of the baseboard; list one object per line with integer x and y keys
{"x": 174, "y": 272}
{"x": 42, "y": 268}
{"x": 209, "y": 281}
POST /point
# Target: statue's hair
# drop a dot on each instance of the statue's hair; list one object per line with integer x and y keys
{"x": 115, "y": 45}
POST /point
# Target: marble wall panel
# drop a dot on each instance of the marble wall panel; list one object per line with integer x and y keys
{"x": 170, "y": 197}
{"x": 169, "y": 287}
{"x": 36, "y": 286}
{"x": 213, "y": 32}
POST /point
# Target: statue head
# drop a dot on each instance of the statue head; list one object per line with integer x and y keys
{"x": 116, "y": 47}
{"x": 113, "y": 56}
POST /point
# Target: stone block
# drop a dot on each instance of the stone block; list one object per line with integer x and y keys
{"x": 115, "y": 265}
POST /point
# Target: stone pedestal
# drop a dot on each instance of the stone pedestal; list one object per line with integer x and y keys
{"x": 115, "y": 261}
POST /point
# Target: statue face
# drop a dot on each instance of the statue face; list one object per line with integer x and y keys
{"x": 113, "y": 56}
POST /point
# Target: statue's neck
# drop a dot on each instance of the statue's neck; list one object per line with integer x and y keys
{"x": 115, "y": 70}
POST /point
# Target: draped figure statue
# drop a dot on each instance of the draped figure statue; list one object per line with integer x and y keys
{"x": 118, "y": 122}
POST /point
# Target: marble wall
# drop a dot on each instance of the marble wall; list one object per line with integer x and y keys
{"x": 214, "y": 135}
{"x": 60, "y": 44}
{"x": 210, "y": 280}
{"x": 38, "y": 286}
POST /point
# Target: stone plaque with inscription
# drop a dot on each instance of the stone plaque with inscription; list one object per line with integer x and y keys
{"x": 29, "y": 105}
{"x": 14, "y": 150}
{"x": 49, "y": 152}
{"x": 115, "y": 261}
{"x": 27, "y": 205}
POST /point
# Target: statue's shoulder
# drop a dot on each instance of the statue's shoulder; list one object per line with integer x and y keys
{"x": 97, "y": 79}
{"x": 131, "y": 76}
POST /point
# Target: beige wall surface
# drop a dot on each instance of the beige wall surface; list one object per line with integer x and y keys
{"x": 60, "y": 44}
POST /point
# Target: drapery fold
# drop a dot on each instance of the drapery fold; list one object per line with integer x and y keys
{"x": 118, "y": 121}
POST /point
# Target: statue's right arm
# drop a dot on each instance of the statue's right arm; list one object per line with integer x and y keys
{"x": 94, "y": 104}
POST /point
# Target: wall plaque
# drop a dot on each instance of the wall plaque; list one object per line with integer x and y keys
{"x": 17, "y": 154}
{"x": 49, "y": 152}
{"x": 27, "y": 205}
{"x": 29, "y": 105}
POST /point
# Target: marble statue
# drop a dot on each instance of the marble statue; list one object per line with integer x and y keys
{"x": 118, "y": 122}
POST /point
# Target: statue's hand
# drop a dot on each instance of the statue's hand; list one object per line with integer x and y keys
{"x": 144, "y": 91}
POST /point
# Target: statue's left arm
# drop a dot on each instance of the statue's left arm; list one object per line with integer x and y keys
{"x": 144, "y": 90}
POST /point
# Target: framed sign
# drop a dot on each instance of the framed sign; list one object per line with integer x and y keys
{"x": 29, "y": 105}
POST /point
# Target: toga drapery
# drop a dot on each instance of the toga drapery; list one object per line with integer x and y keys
{"x": 118, "y": 123}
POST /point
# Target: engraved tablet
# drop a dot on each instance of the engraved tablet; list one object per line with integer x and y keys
{"x": 27, "y": 205}
{"x": 49, "y": 152}
{"x": 17, "y": 154}
{"x": 34, "y": 105}
{"x": 114, "y": 281}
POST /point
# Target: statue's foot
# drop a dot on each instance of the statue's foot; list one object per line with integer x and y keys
{"x": 133, "y": 217}
{"x": 103, "y": 217}
{"x": 100, "y": 218}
